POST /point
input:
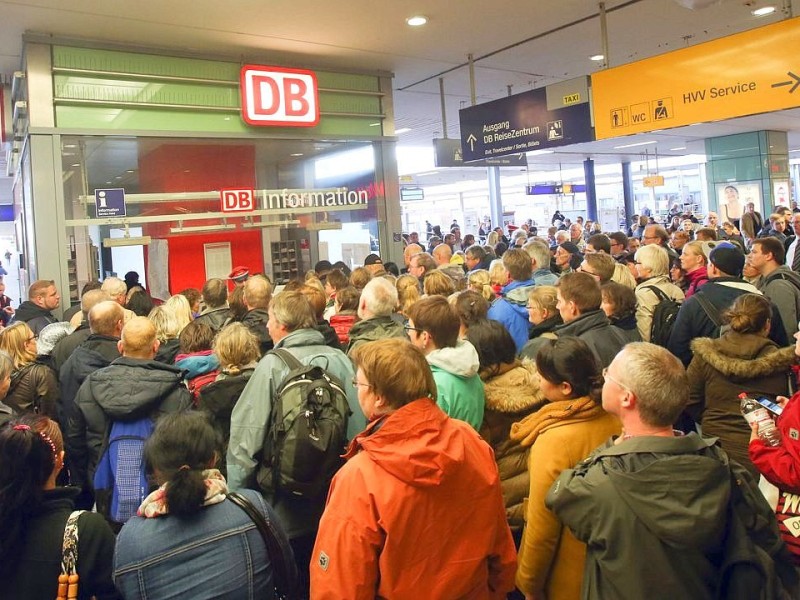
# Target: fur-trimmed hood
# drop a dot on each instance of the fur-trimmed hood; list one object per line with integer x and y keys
{"x": 516, "y": 390}
{"x": 743, "y": 356}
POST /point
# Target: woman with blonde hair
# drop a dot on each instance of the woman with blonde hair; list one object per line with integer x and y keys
{"x": 542, "y": 311}
{"x": 168, "y": 329}
{"x": 407, "y": 292}
{"x": 436, "y": 283}
{"x": 34, "y": 386}
{"x": 498, "y": 276}
{"x": 652, "y": 270}
{"x": 480, "y": 282}
{"x": 694, "y": 260}
{"x": 360, "y": 277}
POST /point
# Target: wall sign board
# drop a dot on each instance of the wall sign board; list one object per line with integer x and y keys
{"x": 277, "y": 96}
{"x": 748, "y": 73}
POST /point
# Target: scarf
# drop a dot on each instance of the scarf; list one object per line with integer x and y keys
{"x": 554, "y": 413}
{"x": 155, "y": 505}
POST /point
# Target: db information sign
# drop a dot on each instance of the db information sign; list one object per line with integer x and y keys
{"x": 277, "y": 96}
{"x": 110, "y": 203}
{"x": 237, "y": 200}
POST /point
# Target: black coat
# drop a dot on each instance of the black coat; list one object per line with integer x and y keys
{"x": 37, "y": 564}
{"x": 215, "y": 318}
{"x": 35, "y": 316}
{"x": 126, "y": 390}
{"x": 256, "y": 321}
{"x": 168, "y": 350}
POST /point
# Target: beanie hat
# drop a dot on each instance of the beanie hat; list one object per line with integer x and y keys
{"x": 372, "y": 259}
{"x": 727, "y": 258}
{"x": 570, "y": 247}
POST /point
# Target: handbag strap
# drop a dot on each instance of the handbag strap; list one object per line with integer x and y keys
{"x": 69, "y": 549}
{"x": 283, "y": 576}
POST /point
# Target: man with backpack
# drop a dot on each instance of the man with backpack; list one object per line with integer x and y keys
{"x": 777, "y": 282}
{"x": 290, "y": 425}
{"x": 511, "y": 309}
{"x": 701, "y": 314}
{"x": 665, "y": 515}
{"x": 129, "y": 393}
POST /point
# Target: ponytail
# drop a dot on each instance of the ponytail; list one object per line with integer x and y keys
{"x": 186, "y": 491}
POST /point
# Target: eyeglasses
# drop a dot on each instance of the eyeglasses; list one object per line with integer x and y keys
{"x": 608, "y": 377}
{"x": 582, "y": 270}
{"x": 356, "y": 384}
{"x": 409, "y": 328}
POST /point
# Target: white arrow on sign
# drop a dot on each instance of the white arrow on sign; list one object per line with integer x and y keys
{"x": 471, "y": 141}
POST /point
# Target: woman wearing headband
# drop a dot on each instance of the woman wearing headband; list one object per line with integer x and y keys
{"x": 34, "y": 512}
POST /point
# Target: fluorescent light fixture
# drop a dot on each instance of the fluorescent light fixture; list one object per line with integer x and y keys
{"x": 271, "y": 223}
{"x": 417, "y": 20}
{"x": 795, "y": 150}
{"x": 597, "y": 57}
{"x": 539, "y": 152}
{"x": 75, "y": 165}
{"x": 296, "y": 154}
{"x": 374, "y": 124}
{"x": 635, "y": 145}
{"x": 196, "y": 228}
{"x": 126, "y": 241}
{"x": 402, "y": 130}
{"x": 678, "y": 148}
{"x": 763, "y": 11}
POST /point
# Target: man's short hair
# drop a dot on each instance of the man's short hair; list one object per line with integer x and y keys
{"x": 518, "y": 264}
{"x": 601, "y": 264}
{"x": 658, "y": 380}
{"x": 619, "y": 237}
{"x": 600, "y": 242}
{"x": 539, "y": 252}
{"x": 104, "y": 316}
{"x": 771, "y": 245}
{"x": 582, "y": 289}
{"x": 215, "y": 293}
{"x": 435, "y": 315}
{"x": 337, "y": 280}
{"x": 379, "y": 297}
{"x": 39, "y": 288}
{"x": 257, "y": 292}
{"x": 684, "y": 235}
{"x": 659, "y": 232}
{"x": 293, "y": 311}
{"x": 476, "y": 252}
{"x": 197, "y": 336}
{"x": 705, "y": 234}
{"x": 92, "y": 298}
{"x": 425, "y": 260}
{"x": 114, "y": 286}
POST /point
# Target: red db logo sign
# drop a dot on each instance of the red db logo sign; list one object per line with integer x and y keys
{"x": 237, "y": 200}
{"x": 279, "y": 96}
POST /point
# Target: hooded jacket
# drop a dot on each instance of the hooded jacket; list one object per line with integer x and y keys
{"x": 35, "y": 316}
{"x": 653, "y": 513}
{"x": 126, "y": 390}
{"x": 693, "y": 322}
{"x": 415, "y": 512}
{"x": 215, "y": 317}
{"x": 256, "y": 321}
{"x": 594, "y": 328}
{"x": 722, "y": 369}
{"x": 374, "y": 328}
{"x": 511, "y": 395}
{"x": 559, "y": 435}
{"x": 782, "y": 286}
{"x": 459, "y": 389}
{"x": 511, "y": 310}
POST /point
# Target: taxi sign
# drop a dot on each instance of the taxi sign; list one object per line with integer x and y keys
{"x": 743, "y": 74}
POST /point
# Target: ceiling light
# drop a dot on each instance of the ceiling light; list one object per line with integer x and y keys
{"x": 678, "y": 148}
{"x": 597, "y": 57}
{"x": 763, "y": 11}
{"x": 296, "y": 154}
{"x": 75, "y": 165}
{"x": 417, "y": 20}
{"x": 130, "y": 171}
{"x": 374, "y": 124}
{"x": 634, "y": 145}
{"x": 402, "y": 130}
{"x": 539, "y": 152}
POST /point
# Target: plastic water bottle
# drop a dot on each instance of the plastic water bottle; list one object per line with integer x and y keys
{"x": 755, "y": 413}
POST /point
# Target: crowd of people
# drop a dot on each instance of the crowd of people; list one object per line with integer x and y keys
{"x": 515, "y": 412}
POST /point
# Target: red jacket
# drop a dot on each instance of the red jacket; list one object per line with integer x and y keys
{"x": 342, "y": 324}
{"x": 416, "y": 512}
{"x": 781, "y": 466}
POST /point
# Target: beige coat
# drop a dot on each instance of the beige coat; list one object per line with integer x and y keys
{"x": 647, "y": 300}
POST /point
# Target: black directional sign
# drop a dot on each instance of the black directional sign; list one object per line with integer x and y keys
{"x": 522, "y": 123}
{"x": 448, "y": 153}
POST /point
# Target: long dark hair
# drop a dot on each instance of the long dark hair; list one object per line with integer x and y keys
{"x": 494, "y": 344}
{"x": 570, "y": 360}
{"x": 182, "y": 446}
{"x": 27, "y": 460}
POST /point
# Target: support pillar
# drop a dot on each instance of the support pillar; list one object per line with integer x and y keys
{"x": 591, "y": 191}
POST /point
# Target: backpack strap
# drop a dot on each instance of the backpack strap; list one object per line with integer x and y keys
{"x": 283, "y": 578}
{"x": 287, "y": 357}
{"x": 660, "y": 293}
{"x": 710, "y": 310}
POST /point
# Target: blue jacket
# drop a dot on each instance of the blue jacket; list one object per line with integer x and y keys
{"x": 544, "y": 277}
{"x": 511, "y": 310}
{"x": 216, "y": 553}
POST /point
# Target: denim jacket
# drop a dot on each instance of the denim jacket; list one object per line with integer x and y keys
{"x": 216, "y": 553}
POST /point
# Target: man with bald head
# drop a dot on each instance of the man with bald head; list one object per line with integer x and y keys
{"x": 65, "y": 346}
{"x": 130, "y": 388}
{"x": 408, "y": 252}
{"x": 442, "y": 254}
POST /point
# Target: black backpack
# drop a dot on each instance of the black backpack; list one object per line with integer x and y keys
{"x": 664, "y": 315}
{"x": 307, "y": 434}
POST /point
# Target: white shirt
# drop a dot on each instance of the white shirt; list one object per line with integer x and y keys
{"x": 790, "y": 252}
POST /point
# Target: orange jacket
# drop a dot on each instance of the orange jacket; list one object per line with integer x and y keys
{"x": 416, "y": 512}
